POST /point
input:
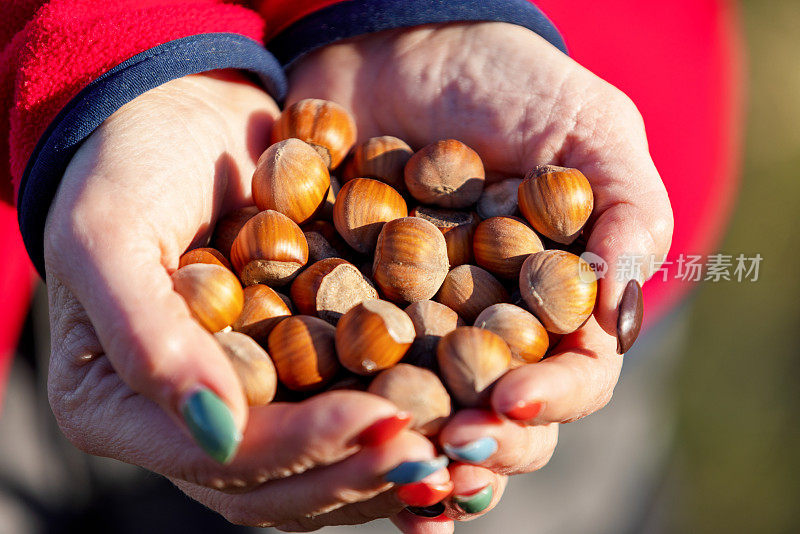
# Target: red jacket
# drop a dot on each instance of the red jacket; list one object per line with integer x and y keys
{"x": 57, "y": 55}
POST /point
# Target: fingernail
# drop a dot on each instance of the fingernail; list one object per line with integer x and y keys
{"x": 474, "y": 451}
{"x": 524, "y": 411}
{"x": 382, "y": 431}
{"x": 409, "y": 472}
{"x": 211, "y": 424}
{"x": 629, "y": 320}
{"x": 423, "y": 494}
{"x": 427, "y": 511}
{"x": 477, "y": 502}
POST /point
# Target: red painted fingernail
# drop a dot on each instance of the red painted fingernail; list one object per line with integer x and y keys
{"x": 423, "y": 494}
{"x": 382, "y": 431}
{"x": 524, "y": 411}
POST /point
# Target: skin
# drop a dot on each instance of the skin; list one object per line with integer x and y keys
{"x": 126, "y": 351}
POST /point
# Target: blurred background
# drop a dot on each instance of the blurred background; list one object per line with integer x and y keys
{"x": 734, "y": 410}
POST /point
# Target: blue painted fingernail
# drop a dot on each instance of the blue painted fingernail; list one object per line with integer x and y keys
{"x": 410, "y": 472}
{"x": 473, "y": 452}
{"x": 211, "y": 423}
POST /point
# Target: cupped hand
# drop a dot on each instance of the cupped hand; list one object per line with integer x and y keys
{"x": 131, "y": 373}
{"x": 519, "y": 102}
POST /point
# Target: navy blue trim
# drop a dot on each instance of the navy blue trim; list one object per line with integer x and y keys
{"x": 357, "y": 17}
{"x": 101, "y": 98}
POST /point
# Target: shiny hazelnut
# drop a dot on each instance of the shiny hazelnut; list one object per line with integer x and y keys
{"x": 522, "y": 332}
{"x": 499, "y": 199}
{"x": 432, "y": 320}
{"x": 303, "y": 350}
{"x": 325, "y": 125}
{"x": 263, "y": 309}
{"x": 458, "y": 228}
{"x": 329, "y": 288}
{"x": 204, "y": 255}
{"x": 380, "y": 158}
{"x": 253, "y": 366}
{"x": 292, "y": 179}
{"x": 447, "y": 173}
{"x": 372, "y": 336}
{"x": 501, "y": 244}
{"x": 468, "y": 290}
{"x": 269, "y": 249}
{"x": 362, "y": 207}
{"x": 417, "y": 392}
{"x": 212, "y": 292}
{"x": 410, "y": 260}
{"x": 470, "y": 361}
{"x": 228, "y": 228}
{"x": 557, "y": 201}
{"x": 559, "y": 288}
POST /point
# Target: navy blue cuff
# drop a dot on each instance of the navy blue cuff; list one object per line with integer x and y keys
{"x": 101, "y": 98}
{"x": 357, "y": 17}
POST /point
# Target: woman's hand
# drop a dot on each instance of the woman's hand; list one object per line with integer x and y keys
{"x": 131, "y": 371}
{"x": 519, "y": 102}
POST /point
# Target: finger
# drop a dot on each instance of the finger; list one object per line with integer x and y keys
{"x": 476, "y": 491}
{"x": 479, "y": 437}
{"x": 576, "y": 381}
{"x": 102, "y": 416}
{"x": 358, "y": 478}
{"x": 409, "y": 523}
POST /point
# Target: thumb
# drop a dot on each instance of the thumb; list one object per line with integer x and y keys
{"x": 145, "y": 328}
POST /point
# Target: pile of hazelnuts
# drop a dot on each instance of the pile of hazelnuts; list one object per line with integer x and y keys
{"x": 348, "y": 288}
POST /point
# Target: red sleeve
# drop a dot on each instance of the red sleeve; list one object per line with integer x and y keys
{"x": 51, "y": 50}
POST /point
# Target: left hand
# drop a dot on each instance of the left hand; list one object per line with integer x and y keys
{"x": 519, "y": 102}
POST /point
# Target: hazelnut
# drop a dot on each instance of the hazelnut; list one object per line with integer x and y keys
{"x": 292, "y": 179}
{"x": 522, "y": 332}
{"x": 499, "y": 199}
{"x": 557, "y": 201}
{"x": 212, "y": 292}
{"x": 253, "y": 366}
{"x": 269, "y": 249}
{"x": 559, "y": 288}
{"x": 362, "y": 207}
{"x": 323, "y": 241}
{"x": 470, "y": 361}
{"x": 416, "y": 391}
{"x": 468, "y": 290}
{"x": 458, "y": 228}
{"x": 263, "y": 309}
{"x": 447, "y": 173}
{"x": 372, "y": 336}
{"x": 326, "y": 211}
{"x": 410, "y": 260}
{"x": 501, "y": 244}
{"x": 204, "y": 255}
{"x": 381, "y": 158}
{"x": 431, "y": 321}
{"x": 228, "y": 228}
{"x": 303, "y": 350}
{"x": 329, "y": 288}
{"x": 326, "y": 126}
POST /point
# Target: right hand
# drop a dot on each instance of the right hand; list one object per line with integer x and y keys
{"x": 126, "y": 354}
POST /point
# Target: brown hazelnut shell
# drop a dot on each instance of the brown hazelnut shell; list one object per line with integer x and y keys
{"x": 380, "y": 158}
{"x": 499, "y": 199}
{"x": 432, "y": 320}
{"x": 212, "y": 293}
{"x": 292, "y": 179}
{"x": 559, "y": 288}
{"x": 325, "y": 125}
{"x": 501, "y": 245}
{"x": 458, "y": 228}
{"x": 522, "y": 332}
{"x": 253, "y": 366}
{"x": 446, "y": 173}
{"x": 263, "y": 309}
{"x": 228, "y": 228}
{"x": 557, "y": 201}
{"x": 362, "y": 207}
{"x": 204, "y": 255}
{"x": 270, "y": 249}
{"x": 303, "y": 350}
{"x": 468, "y": 290}
{"x": 470, "y": 361}
{"x": 329, "y": 288}
{"x": 410, "y": 260}
{"x": 372, "y": 336}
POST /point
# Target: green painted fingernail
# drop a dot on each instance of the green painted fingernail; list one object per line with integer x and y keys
{"x": 477, "y": 502}
{"x": 211, "y": 423}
